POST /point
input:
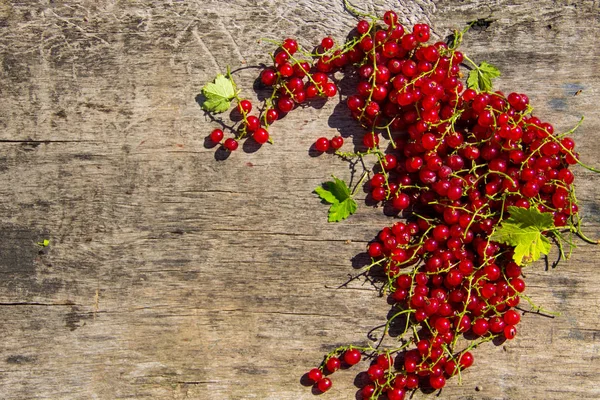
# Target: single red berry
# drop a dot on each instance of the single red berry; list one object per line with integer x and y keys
{"x": 466, "y": 359}
{"x": 396, "y": 394}
{"x": 336, "y": 142}
{"x": 261, "y": 135}
{"x": 252, "y": 123}
{"x": 216, "y": 135}
{"x": 315, "y": 374}
{"x": 324, "y": 384}
{"x": 352, "y": 357}
{"x": 510, "y": 332}
{"x": 285, "y": 104}
{"x": 375, "y": 372}
{"x": 367, "y": 391}
{"x": 322, "y": 144}
{"x": 272, "y": 115}
{"x": 437, "y": 382}
{"x": 231, "y": 144}
{"x": 363, "y": 27}
{"x": 390, "y": 18}
{"x": 268, "y": 77}
{"x": 290, "y": 45}
{"x": 333, "y": 364}
{"x": 511, "y": 317}
{"x": 327, "y": 43}
{"x": 480, "y": 327}
{"x": 244, "y": 106}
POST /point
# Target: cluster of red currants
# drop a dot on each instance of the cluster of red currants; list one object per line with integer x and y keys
{"x": 457, "y": 160}
{"x": 296, "y": 78}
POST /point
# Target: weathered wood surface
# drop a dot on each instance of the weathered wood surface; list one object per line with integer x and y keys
{"x": 173, "y": 275}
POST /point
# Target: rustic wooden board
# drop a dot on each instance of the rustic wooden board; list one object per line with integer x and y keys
{"x": 171, "y": 274}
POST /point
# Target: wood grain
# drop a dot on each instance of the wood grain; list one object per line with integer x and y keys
{"x": 174, "y": 275}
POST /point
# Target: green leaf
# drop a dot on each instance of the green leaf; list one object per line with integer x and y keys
{"x": 524, "y": 230}
{"x": 343, "y": 210}
{"x": 338, "y": 195}
{"x": 339, "y": 189}
{"x": 326, "y": 195}
{"x": 218, "y": 94}
{"x": 481, "y": 77}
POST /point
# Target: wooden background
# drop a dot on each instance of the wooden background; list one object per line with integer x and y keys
{"x": 173, "y": 275}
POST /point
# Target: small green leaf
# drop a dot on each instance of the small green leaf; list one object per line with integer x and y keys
{"x": 524, "y": 230}
{"x": 218, "y": 94}
{"x": 326, "y": 195}
{"x": 473, "y": 80}
{"x": 531, "y": 217}
{"x": 481, "y": 77}
{"x": 340, "y": 190}
{"x": 343, "y": 210}
{"x": 338, "y": 195}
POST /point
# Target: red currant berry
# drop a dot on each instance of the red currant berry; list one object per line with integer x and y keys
{"x": 363, "y": 27}
{"x": 352, "y": 356}
{"x": 510, "y": 332}
{"x": 336, "y": 142}
{"x": 231, "y": 144}
{"x": 244, "y": 106}
{"x": 324, "y": 384}
{"x": 252, "y": 123}
{"x": 327, "y": 43}
{"x": 216, "y": 136}
{"x": 437, "y": 382}
{"x": 333, "y": 364}
{"x": 290, "y": 45}
{"x": 315, "y": 374}
{"x": 268, "y": 77}
{"x": 375, "y": 372}
{"x": 322, "y": 144}
{"x": 261, "y": 135}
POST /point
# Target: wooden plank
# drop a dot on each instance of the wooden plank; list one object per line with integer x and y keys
{"x": 171, "y": 274}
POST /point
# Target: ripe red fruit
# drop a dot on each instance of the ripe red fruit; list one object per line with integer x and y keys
{"x": 315, "y": 374}
{"x": 437, "y": 382}
{"x": 510, "y": 332}
{"x": 363, "y": 27}
{"x": 244, "y": 106}
{"x": 216, "y": 136}
{"x": 324, "y": 384}
{"x": 290, "y": 45}
{"x": 480, "y": 327}
{"x": 327, "y": 43}
{"x": 285, "y": 104}
{"x": 322, "y": 144}
{"x": 333, "y": 364}
{"x": 261, "y": 135}
{"x": 396, "y": 394}
{"x": 336, "y": 142}
{"x": 390, "y": 18}
{"x": 375, "y": 372}
{"x": 352, "y": 356}
{"x": 231, "y": 144}
{"x": 511, "y": 317}
{"x": 252, "y": 123}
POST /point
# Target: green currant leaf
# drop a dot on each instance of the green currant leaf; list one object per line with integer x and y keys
{"x": 524, "y": 230}
{"x": 218, "y": 94}
{"x": 326, "y": 195}
{"x": 343, "y": 210}
{"x": 337, "y": 193}
{"x": 481, "y": 77}
{"x": 340, "y": 190}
